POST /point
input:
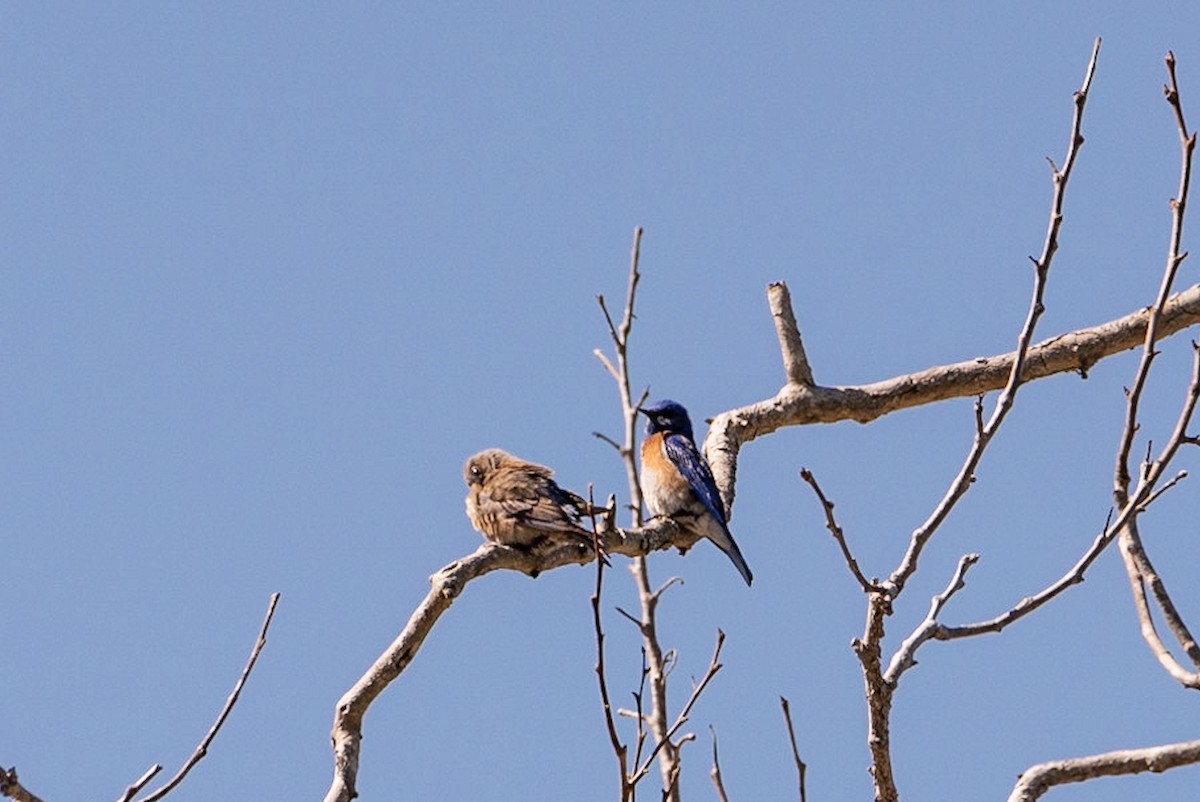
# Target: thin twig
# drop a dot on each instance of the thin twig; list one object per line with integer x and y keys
{"x": 715, "y": 772}
{"x": 1174, "y": 480}
{"x": 832, "y": 525}
{"x": 620, "y": 750}
{"x": 966, "y": 475}
{"x": 714, "y": 666}
{"x": 879, "y": 684}
{"x": 1138, "y": 566}
{"x": 140, "y": 783}
{"x": 905, "y": 656}
{"x": 800, "y": 767}
{"x": 202, "y": 749}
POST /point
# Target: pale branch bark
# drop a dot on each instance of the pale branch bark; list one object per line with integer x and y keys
{"x": 715, "y": 772}
{"x": 447, "y": 584}
{"x": 1174, "y": 620}
{"x": 140, "y": 783}
{"x": 1075, "y": 575}
{"x": 880, "y": 684}
{"x": 1175, "y": 258}
{"x": 620, "y": 374}
{"x": 11, "y": 787}
{"x": 905, "y": 656}
{"x": 656, "y": 719}
{"x": 1038, "y": 779}
{"x": 665, "y": 742}
{"x": 652, "y": 652}
{"x": 1075, "y": 351}
{"x": 879, "y": 696}
{"x": 1137, "y": 563}
{"x": 791, "y": 345}
{"x": 1139, "y": 571}
{"x": 202, "y": 748}
{"x": 801, "y": 768}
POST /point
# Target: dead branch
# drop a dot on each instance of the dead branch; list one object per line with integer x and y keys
{"x": 1137, "y": 563}
{"x": 447, "y": 585}
{"x": 800, "y": 767}
{"x": 202, "y": 749}
{"x": 1038, "y": 779}
{"x": 620, "y": 750}
{"x": 905, "y": 656}
{"x": 715, "y": 772}
{"x": 838, "y": 535}
{"x": 880, "y": 685}
{"x": 1072, "y": 352}
{"x": 665, "y": 742}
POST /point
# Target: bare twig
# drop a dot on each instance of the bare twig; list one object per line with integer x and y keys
{"x": 12, "y": 788}
{"x": 1141, "y": 572}
{"x": 620, "y": 750}
{"x": 905, "y": 656}
{"x": 140, "y": 783}
{"x": 983, "y": 436}
{"x": 1163, "y": 488}
{"x": 715, "y": 772}
{"x": 665, "y": 742}
{"x": 620, "y": 373}
{"x": 1038, "y": 779}
{"x": 800, "y": 767}
{"x": 880, "y": 684}
{"x": 202, "y": 749}
{"x": 1137, "y": 562}
{"x": 832, "y": 525}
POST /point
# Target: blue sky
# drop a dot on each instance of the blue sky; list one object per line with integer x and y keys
{"x": 271, "y": 273}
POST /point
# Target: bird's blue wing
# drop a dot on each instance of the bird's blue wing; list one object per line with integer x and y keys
{"x": 682, "y": 452}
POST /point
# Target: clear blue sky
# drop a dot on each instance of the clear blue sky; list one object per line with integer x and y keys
{"x": 271, "y": 273}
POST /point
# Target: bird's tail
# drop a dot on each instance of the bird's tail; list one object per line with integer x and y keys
{"x": 721, "y": 536}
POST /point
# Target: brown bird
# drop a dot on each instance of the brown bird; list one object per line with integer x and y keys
{"x": 516, "y": 503}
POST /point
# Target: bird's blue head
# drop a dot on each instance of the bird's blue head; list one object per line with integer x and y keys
{"x": 667, "y": 416}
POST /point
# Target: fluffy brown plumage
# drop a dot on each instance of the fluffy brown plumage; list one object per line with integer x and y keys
{"x": 517, "y": 503}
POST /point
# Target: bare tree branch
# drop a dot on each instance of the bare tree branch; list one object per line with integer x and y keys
{"x": 905, "y": 656}
{"x": 791, "y": 346}
{"x": 140, "y": 783}
{"x": 447, "y": 584}
{"x": 620, "y": 750}
{"x": 1137, "y": 562}
{"x": 202, "y": 749}
{"x": 1075, "y": 351}
{"x": 800, "y": 767}
{"x": 665, "y": 742}
{"x": 985, "y": 433}
{"x": 832, "y": 525}
{"x": 880, "y": 685}
{"x": 715, "y": 772}
{"x": 656, "y": 719}
{"x": 1038, "y": 779}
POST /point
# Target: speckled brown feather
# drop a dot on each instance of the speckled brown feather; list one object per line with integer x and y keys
{"x": 517, "y": 503}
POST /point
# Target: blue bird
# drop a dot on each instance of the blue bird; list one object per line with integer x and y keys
{"x": 677, "y": 482}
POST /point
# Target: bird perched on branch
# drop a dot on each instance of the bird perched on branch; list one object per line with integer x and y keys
{"x": 516, "y": 503}
{"x": 677, "y": 482}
